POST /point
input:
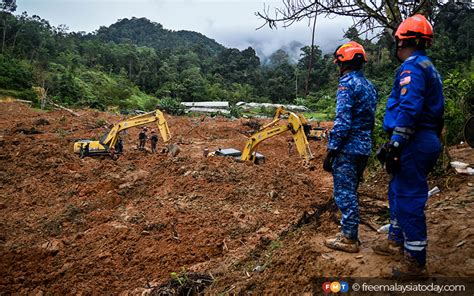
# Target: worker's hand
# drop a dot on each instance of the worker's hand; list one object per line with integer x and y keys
{"x": 382, "y": 154}
{"x": 393, "y": 157}
{"x": 328, "y": 160}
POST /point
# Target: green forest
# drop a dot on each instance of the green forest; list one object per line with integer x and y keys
{"x": 137, "y": 64}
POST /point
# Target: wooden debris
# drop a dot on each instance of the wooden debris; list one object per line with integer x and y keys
{"x": 326, "y": 256}
{"x": 63, "y": 108}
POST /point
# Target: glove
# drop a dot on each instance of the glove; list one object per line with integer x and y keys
{"x": 328, "y": 160}
{"x": 381, "y": 153}
{"x": 393, "y": 161}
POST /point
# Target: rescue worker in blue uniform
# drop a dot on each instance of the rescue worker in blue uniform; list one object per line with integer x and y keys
{"x": 414, "y": 119}
{"x": 350, "y": 141}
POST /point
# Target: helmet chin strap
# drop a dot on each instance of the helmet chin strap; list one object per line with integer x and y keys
{"x": 342, "y": 68}
{"x": 398, "y": 45}
{"x": 395, "y": 53}
{"x": 406, "y": 43}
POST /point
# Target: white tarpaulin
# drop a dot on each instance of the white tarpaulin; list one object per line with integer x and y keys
{"x": 298, "y": 108}
{"x": 208, "y": 104}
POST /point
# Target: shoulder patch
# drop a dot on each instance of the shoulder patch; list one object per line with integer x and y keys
{"x": 403, "y": 91}
{"x": 405, "y": 72}
{"x": 405, "y": 80}
{"x": 341, "y": 87}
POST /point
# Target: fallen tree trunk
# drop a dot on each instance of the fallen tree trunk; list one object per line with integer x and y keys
{"x": 10, "y": 99}
{"x": 64, "y": 108}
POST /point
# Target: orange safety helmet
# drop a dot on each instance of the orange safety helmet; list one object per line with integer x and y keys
{"x": 415, "y": 27}
{"x": 347, "y": 52}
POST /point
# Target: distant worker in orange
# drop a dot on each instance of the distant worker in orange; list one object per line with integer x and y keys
{"x": 153, "y": 140}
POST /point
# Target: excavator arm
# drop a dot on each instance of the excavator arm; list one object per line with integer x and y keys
{"x": 276, "y": 117}
{"x": 110, "y": 139}
{"x": 295, "y": 126}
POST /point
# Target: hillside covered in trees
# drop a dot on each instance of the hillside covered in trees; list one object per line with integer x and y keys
{"x": 136, "y": 63}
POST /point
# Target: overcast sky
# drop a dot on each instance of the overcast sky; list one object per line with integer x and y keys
{"x": 231, "y": 23}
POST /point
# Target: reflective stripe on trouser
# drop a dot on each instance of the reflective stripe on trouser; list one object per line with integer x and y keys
{"x": 415, "y": 245}
{"x": 408, "y": 193}
{"x": 347, "y": 169}
{"x": 395, "y": 232}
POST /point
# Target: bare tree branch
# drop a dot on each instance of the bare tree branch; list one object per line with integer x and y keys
{"x": 367, "y": 16}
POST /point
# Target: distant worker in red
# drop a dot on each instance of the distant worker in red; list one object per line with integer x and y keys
{"x": 142, "y": 137}
{"x": 153, "y": 140}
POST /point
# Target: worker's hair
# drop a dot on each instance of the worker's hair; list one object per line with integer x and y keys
{"x": 418, "y": 44}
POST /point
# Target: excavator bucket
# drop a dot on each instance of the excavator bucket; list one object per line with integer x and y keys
{"x": 237, "y": 154}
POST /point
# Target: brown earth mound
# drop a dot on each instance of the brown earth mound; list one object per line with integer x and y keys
{"x": 99, "y": 226}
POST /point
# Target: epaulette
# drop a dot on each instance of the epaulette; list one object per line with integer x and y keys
{"x": 425, "y": 64}
{"x": 345, "y": 78}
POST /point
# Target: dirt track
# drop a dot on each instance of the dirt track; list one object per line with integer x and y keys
{"x": 94, "y": 225}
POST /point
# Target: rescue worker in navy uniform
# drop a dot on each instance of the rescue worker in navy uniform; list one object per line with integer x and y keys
{"x": 119, "y": 145}
{"x": 414, "y": 119}
{"x": 153, "y": 140}
{"x": 142, "y": 137}
{"x": 350, "y": 141}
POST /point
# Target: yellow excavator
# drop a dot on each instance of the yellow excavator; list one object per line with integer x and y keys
{"x": 297, "y": 125}
{"x": 312, "y": 133}
{"x": 108, "y": 143}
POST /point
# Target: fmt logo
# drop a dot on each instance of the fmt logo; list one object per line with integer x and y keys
{"x": 335, "y": 287}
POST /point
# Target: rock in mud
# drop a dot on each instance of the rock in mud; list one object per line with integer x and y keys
{"x": 52, "y": 247}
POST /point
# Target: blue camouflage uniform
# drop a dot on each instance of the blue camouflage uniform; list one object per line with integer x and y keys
{"x": 351, "y": 137}
{"x": 414, "y": 119}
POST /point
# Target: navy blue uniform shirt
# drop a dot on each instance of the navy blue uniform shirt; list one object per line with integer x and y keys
{"x": 355, "y": 115}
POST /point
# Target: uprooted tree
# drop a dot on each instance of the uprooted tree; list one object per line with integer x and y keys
{"x": 367, "y": 15}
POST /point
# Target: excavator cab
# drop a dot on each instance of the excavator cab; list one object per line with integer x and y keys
{"x": 315, "y": 133}
{"x": 89, "y": 147}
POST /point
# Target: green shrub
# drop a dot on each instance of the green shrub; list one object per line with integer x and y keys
{"x": 171, "y": 106}
{"x": 151, "y": 104}
{"x": 27, "y": 94}
{"x": 15, "y": 74}
{"x": 266, "y": 111}
{"x": 235, "y": 111}
{"x": 458, "y": 92}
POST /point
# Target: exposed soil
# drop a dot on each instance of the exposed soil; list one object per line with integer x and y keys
{"x": 98, "y": 226}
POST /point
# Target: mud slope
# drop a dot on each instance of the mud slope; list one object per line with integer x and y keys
{"x": 94, "y": 225}
{"x": 297, "y": 262}
{"x": 98, "y": 226}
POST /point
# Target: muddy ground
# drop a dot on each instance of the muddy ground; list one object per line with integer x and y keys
{"x": 98, "y": 226}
